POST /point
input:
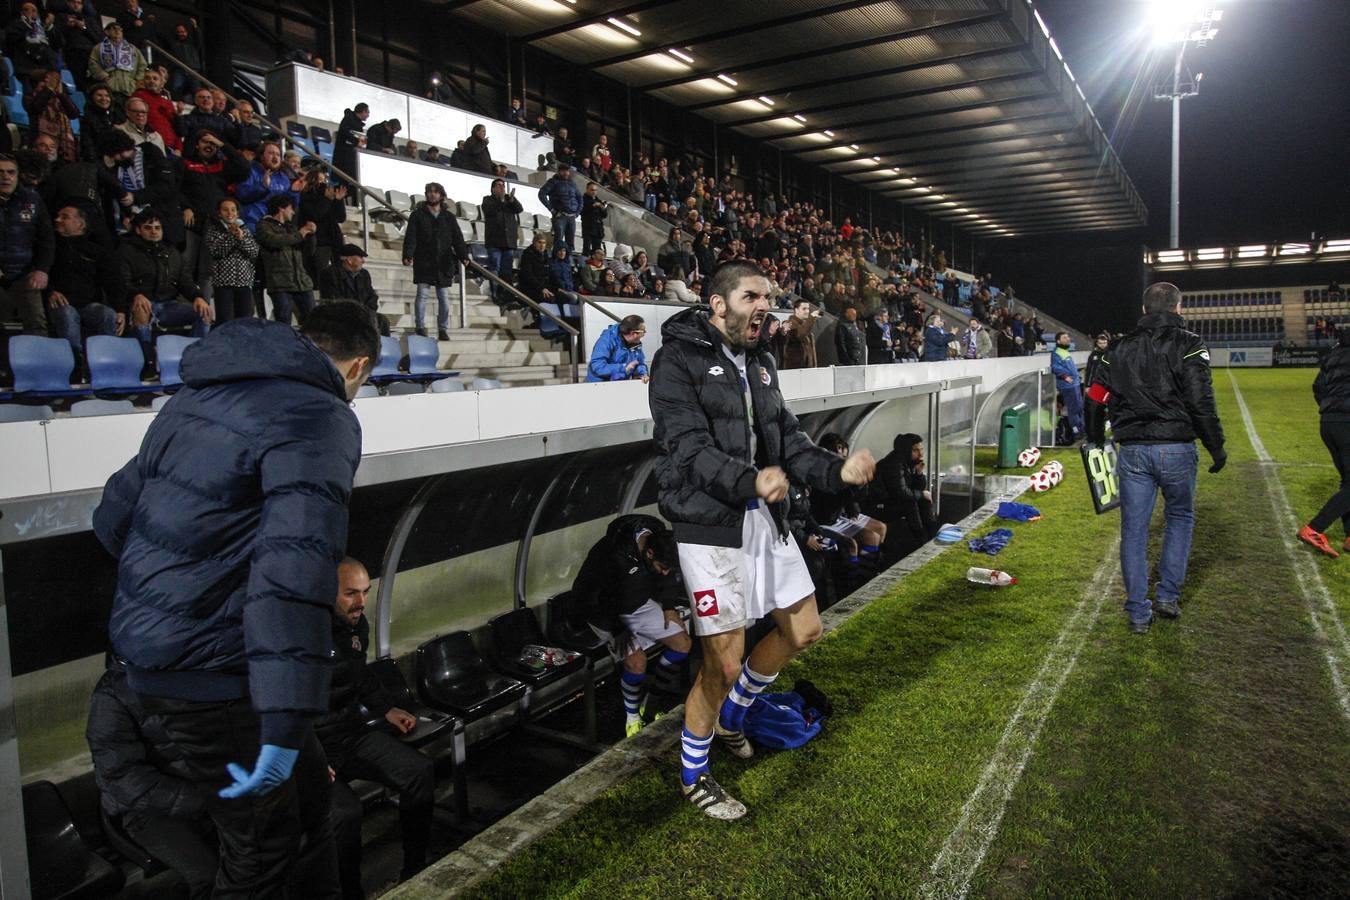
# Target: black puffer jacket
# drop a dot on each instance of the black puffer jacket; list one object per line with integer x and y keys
{"x": 229, "y": 525}
{"x": 1332, "y": 385}
{"x": 132, "y": 754}
{"x": 353, "y": 687}
{"x": 904, "y": 485}
{"x": 850, "y": 343}
{"x": 1161, "y": 393}
{"x": 615, "y": 580}
{"x": 501, "y": 222}
{"x": 435, "y": 245}
{"x": 703, "y": 464}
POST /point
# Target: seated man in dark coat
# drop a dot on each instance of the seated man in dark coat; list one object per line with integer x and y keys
{"x": 349, "y": 280}
{"x": 355, "y": 751}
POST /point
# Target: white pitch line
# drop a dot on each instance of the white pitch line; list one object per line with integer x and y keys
{"x": 1327, "y": 624}
{"x": 965, "y": 848}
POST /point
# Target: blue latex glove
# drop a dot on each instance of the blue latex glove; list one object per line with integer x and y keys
{"x": 273, "y": 767}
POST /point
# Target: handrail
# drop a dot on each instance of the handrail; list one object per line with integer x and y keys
{"x": 571, "y": 332}
{"x": 302, "y": 144}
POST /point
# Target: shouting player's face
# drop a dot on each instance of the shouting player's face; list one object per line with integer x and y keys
{"x": 740, "y": 315}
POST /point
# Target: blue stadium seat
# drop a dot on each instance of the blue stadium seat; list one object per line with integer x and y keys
{"x": 14, "y": 106}
{"x": 42, "y": 366}
{"x": 366, "y": 391}
{"x": 325, "y": 150}
{"x": 486, "y": 384}
{"x": 547, "y": 327}
{"x": 78, "y": 99}
{"x": 386, "y": 367}
{"x": 321, "y": 134}
{"x": 423, "y": 354}
{"x": 97, "y": 407}
{"x": 169, "y": 348}
{"x": 404, "y": 388}
{"x": 297, "y": 130}
{"x": 447, "y": 386}
{"x": 115, "y": 364}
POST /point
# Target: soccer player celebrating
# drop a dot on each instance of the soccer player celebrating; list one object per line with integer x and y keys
{"x": 726, "y": 445}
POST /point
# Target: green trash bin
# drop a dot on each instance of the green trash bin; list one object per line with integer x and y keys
{"x": 1014, "y": 434}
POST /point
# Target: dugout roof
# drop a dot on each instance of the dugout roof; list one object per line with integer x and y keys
{"x": 962, "y": 109}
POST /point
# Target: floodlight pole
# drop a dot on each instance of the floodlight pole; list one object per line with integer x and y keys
{"x": 1175, "y": 232}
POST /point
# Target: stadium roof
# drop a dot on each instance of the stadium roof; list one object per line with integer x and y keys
{"x": 963, "y": 109}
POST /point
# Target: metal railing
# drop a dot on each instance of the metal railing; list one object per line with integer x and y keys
{"x": 572, "y": 333}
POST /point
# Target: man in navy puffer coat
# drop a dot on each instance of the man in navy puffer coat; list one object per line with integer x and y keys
{"x": 228, "y": 527}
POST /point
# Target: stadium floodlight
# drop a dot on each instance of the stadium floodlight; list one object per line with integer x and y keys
{"x": 1337, "y": 246}
{"x": 1294, "y": 249}
{"x": 853, "y": 146}
{"x": 1211, "y": 253}
{"x": 681, "y": 56}
{"x": 1251, "y": 251}
{"x": 1171, "y": 256}
{"x": 876, "y": 159}
{"x": 828, "y": 133}
{"x": 1181, "y": 22}
{"x": 624, "y": 26}
{"x": 766, "y": 101}
{"x": 799, "y": 117}
{"x": 726, "y": 79}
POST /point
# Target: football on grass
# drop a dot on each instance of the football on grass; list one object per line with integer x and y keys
{"x": 1040, "y": 481}
{"x": 1029, "y": 457}
{"x": 1056, "y": 476}
{"x": 1055, "y": 465}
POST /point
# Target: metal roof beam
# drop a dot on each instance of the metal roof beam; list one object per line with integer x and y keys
{"x": 583, "y": 21}
{"x": 924, "y": 115}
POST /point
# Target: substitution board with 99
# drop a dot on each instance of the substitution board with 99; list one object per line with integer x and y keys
{"x": 1100, "y": 462}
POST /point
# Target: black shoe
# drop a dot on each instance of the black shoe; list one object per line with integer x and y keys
{"x": 1141, "y": 627}
{"x": 421, "y": 332}
{"x": 1167, "y": 609}
{"x": 149, "y": 372}
{"x": 442, "y": 335}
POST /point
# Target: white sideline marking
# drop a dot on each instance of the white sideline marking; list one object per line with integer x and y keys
{"x": 1327, "y": 624}
{"x": 963, "y": 853}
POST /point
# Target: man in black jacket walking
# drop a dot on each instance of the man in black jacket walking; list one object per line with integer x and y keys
{"x": 434, "y": 246}
{"x": 726, "y": 444}
{"x": 1331, "y": 389}
{"x": 1155, "y": 388}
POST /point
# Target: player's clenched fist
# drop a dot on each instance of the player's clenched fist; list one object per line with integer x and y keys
{"x": 771, "y": 484}
{"x": 859, "y": 468}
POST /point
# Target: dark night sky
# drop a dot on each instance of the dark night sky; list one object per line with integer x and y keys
{"x": 1262, "y": 147}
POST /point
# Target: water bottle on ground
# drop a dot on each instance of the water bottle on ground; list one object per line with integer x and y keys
{"x": 989, "y": 576}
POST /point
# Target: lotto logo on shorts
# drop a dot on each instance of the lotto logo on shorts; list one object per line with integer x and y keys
{"x": 705, "y": 603}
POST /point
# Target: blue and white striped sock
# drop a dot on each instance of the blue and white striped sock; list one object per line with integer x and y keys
{"x": 693, "y": 756}
{"x": 631, "y": 685}
{"x": 742, "y": 694}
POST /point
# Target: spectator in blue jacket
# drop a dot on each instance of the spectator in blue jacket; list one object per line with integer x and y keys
{"x": 27, "y": 248}
{"x": 935, "y": 339}
{"x": 265, "y": 180}
{"x": 561, "y": 275}
{"x": 1067, "y": 382}
{"x": 563, "y": 201}
{"x": 228, "y": 528}
{"x": 618, "y": 353}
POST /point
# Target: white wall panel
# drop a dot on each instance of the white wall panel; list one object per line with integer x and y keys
{"x": 417, "y": 420}
{"x": 323, "y": 96}
{"x": 83, "y": 453}
{"x": 434, "y": 124}
{"x": 383, "y": 172}
{"x": 25, "y": 470}
{"x": 557, "y": 407}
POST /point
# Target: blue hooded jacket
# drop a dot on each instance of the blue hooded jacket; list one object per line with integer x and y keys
{"x": 610, "y": 358}
{"x": 229, "y": 525}
{"x": 935, "y": 342}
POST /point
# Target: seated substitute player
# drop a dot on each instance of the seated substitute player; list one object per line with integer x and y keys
{"x": 841, "y": 517}
{"x": 726, "y": 444}
{"x": 627, "y": 589}
{"x": 355, "y": 751}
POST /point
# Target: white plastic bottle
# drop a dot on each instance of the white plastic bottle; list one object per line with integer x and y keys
{"x": 989, "y": 576}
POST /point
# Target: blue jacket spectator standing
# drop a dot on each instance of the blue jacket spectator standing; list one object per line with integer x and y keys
{"x": 228, "y": 527}
{"x": 563, "y": 201}
{"x": 1067, "y": 382}
{"x": 935, "y": 340}
{"x": 265, "y": 180}
{"x": 617, "y": 355}
{"x": 27, "y": 248}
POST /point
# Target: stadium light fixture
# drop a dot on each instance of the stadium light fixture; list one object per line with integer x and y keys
{"x": 1251, "y": 251}
{"x": 624, "y": 26}
{"x": 726, "y": 79}
{"x": 681, "y": 56}
{"x": 799, "y": 117}
{"x": 766, "y": 101}
{"x": 1171, "y": 256}
{"x": 853, "y": 146}
{"x": 876, "y": 159}
{"x": 1211, "y": 253}
{"x": 1338, "y": 246}
{"x": 895, "y": 170}
{"x": 828, "y": 133}
{"x": 1294, "y": 249}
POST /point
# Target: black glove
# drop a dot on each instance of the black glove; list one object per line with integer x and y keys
{"x": 1219, "y": 462}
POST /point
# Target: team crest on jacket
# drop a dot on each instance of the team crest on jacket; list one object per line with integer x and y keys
{"x": 765, "y": 378}
{"x": 705, "y": 603}
{"x": 716, "y": 370}
{"x": 356, "y": 642}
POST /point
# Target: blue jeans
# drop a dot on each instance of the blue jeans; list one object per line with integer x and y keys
{"x": 500, "y": 262}
{"x": 284, "y": 301}
{"x": 1073, "y": 408}
{"x": 172, "y": 314}
{"x": 442, "y": 305}
{"x": 564, "y": 232}
{"x": 68, "y": 322}
{"x": 1143, "y": 469}
{"x": 649, "y": 201}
